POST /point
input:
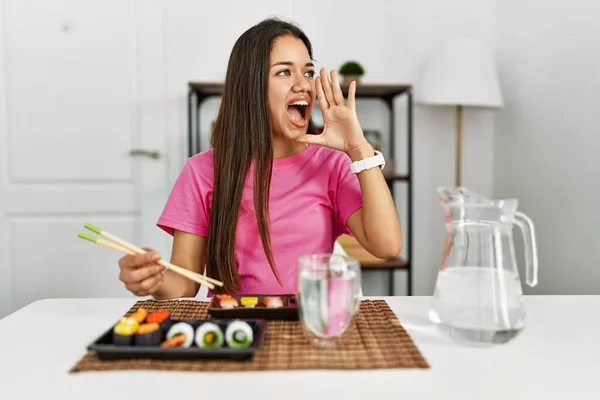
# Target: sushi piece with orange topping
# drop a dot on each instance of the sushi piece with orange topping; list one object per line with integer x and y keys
{"x": 226, "y": 301}
{"x": 148, "y": 335}
{"x": 139, "y": 315}
{"x": 161, "y": 317}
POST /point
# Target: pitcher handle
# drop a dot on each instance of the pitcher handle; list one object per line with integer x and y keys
{"x": 531, "y": 253}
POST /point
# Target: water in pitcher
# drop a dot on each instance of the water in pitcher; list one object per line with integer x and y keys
{"x": 478, "y": 305}
{"x": 478, "y": 297}
{"x": 328, "y": 301}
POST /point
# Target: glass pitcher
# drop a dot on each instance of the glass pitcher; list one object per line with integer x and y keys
{"x": 478, "y": 297}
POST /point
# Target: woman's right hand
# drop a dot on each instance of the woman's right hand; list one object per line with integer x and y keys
{"x": 141, "y": 273}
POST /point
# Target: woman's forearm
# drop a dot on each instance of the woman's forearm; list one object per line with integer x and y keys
{"x": 188, "y": 252}
{"x": 382, "y": 235}
{"x": 175, "y": 286}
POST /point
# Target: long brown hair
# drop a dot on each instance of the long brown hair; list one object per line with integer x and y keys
{"x": 241, "y": 137}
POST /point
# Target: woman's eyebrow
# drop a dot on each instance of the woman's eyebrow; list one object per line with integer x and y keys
{"x": 308, "y": 64}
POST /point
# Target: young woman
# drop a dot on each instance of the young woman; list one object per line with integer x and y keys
{"x": 269, "y": 189}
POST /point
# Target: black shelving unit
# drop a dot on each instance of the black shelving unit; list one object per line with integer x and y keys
{"x": 201, "y": 91}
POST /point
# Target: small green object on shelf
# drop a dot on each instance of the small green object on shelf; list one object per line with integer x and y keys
{"x": 351, "y": 70}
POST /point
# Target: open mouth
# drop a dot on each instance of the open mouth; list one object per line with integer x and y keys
{"x": 298, "y": 113}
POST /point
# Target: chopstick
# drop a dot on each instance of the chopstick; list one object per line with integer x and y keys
{"x": 138, "y": 250}
{"x": 184, "y": 272}
{"x": 129, "y": 248}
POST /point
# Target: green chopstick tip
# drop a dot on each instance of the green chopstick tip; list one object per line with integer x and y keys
{"x": 87, "y": 237}
{"x": 93, "y": 228}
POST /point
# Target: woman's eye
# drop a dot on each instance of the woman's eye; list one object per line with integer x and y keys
{"x": 310, "y": 74}
{"x": 284, "y": 72}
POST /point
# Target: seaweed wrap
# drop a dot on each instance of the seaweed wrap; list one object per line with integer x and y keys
{"x": 239, "y": 334}
{"x": 148, "y": 335}
{"x": 209, "y": 336}
{"x": 124, "y": 330}
{"x": 180, "y": 334}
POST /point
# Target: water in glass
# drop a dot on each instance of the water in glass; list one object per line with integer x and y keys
{"x": 328, "y": 295}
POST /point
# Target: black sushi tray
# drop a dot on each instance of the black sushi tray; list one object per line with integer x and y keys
{"x": 254, "y": 306}
{"x": 107, "y": 349}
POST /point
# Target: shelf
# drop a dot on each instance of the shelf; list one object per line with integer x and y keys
{"x": 207, "y": 88}
{"x": 368, "y": 90}
{"x": 388, "y": 264}
{"x": 199, "y": 91}
{"x": 363, "y": 90}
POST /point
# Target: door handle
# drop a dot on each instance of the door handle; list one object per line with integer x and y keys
{"x": 147, "y": 153}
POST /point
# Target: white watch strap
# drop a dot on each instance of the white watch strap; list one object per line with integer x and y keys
{"x": 368, "y": 163}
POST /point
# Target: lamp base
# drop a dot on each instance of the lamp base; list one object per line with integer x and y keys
{"x": 458, "y": 172}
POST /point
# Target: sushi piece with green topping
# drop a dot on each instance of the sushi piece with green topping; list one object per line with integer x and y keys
{"x": 209, "y": 336}
{"x": 239, "y": 334}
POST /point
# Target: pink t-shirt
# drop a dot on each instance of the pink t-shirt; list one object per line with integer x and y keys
{"x": 312, "y": 195}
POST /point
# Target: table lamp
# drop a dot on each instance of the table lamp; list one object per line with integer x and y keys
{"x": 460, "y": 73}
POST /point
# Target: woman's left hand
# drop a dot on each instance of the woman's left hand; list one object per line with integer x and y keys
{"x": 342, "y": 130}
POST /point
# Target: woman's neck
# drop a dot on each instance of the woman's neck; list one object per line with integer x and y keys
{"x": 283, "y": 147}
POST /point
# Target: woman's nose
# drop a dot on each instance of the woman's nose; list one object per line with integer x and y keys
{"x": 301, "y": 85}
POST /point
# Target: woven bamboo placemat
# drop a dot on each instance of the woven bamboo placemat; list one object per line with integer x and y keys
{"x": 376, "y": 340}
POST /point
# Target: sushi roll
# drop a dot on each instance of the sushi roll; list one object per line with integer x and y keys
{"x": 148, "y": 334}
{"x": 180, "y": 334}
{"x": 239, "y": 335}
{"x": 273, "y": 302}
{"x": 226, "y": 301}
{"x": 161, "y": 317}
{"x": 124, "y": 330}
{"x": 209, "y": 336}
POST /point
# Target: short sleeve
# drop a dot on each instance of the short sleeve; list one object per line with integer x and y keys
{"x": 186, "y": 208}
{"x": 348, "y": 198}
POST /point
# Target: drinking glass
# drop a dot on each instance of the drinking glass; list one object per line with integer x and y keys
{"x": 328, "y": 295}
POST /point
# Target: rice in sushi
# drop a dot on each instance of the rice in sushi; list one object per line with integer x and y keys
{"x": 180, "y": 334}
{"x": 239, "y": 334}
{"x": 209, "y": 335}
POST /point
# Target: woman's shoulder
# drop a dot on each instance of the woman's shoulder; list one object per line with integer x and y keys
{"x": 202, "y": 159}
{"x": 201, "y": 162}
{"x": 200, "y": 167}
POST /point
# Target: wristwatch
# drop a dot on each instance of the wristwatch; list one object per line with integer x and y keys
{"x": 368, "y": 163}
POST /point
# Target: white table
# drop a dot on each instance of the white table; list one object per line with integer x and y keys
{"x": 556, "y": 357}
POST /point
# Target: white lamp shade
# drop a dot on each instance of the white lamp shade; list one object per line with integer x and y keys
{"x": 460, "y": 72}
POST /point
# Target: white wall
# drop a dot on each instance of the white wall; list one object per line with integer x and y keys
{"x": 547, "y": 142}
{"x": 80, "y": 87}
{"x": 391, "y": 39}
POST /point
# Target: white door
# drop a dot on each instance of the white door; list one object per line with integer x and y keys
{"x": 81, "y": 85}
